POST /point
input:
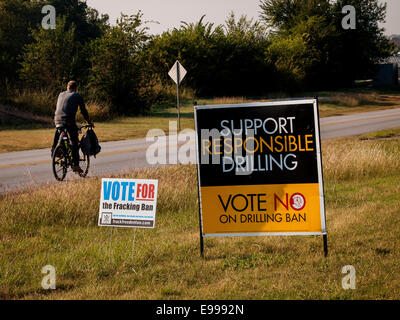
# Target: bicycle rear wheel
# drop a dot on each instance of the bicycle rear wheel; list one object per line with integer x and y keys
{"x": 84, "y": 163}
{"x": 59, "y": 163}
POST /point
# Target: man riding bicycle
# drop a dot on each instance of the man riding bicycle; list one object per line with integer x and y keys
{"x": 67, "y": 107}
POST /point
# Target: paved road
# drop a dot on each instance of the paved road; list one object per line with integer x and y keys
{"x": 359, "y": 123}
{"x": 24, "y": 168}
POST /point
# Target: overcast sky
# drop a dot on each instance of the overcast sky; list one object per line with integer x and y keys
{"x": 169, "y": 13}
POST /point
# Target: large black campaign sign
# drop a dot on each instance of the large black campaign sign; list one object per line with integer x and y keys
{"x": 260, "y": 169}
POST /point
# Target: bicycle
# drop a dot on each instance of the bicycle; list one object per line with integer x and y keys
{"x": 62, "y": 156}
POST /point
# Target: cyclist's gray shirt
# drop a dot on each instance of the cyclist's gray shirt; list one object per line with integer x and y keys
{"x": 67, "y": 107}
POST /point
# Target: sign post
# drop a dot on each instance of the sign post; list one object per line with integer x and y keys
{"x": 260, "y": 170}
{"x": 177, "y": 73}
{"x": 133, "y": 240}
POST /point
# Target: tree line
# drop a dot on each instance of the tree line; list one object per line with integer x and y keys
{"x": 294, "y": 45}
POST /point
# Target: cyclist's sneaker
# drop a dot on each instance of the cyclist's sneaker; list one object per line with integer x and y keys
{"x": 77, "y": 169}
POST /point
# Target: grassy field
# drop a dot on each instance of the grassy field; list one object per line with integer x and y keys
{"x": 57, "y": 225}
{"x": 17, "y": 136}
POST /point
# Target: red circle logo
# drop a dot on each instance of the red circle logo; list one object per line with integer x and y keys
{"x": 297, "y": 201}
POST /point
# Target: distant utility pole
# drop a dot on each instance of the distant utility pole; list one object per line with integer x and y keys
{"x": 177, "y": 73}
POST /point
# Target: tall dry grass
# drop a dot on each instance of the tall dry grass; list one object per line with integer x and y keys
{"x": 162, "y": 96}
{"x": 98, "y": 111}
{"x": 352, "y": 99}
{"x": 40, "y": 102}
{"x": 345, "y": 159}
{"x": 73, "y": 203}
{"x": 43, "y": 102}
{"x": 57, "y": 225}
{"x": 222, "y": 100}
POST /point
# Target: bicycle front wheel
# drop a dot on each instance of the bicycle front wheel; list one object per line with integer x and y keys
{"x": 59, "y": 163}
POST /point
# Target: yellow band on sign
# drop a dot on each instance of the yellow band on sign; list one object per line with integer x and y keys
{"x": 261, "y": 209}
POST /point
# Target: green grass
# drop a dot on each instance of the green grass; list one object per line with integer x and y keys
{"x": 57, "y": 225}
{"x": 383, "y": 134}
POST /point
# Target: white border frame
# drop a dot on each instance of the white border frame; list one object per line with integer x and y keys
{"x": 142, "y": 219}
{"x": 312, "y": 101}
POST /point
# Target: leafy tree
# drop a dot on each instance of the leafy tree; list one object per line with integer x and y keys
{"x": 20, "y": 25}
{"x": 360, "y": 49}
{"x": 290, "y": 56}
{"x": 329, "y": 55}
{"x": 16, "y": 19}
{"x": 283, "y": 15}
{"x": 279, "y": 14}
{"x": 52, "y": 58}
{"x": 115, "y": 74}
{"x": 221, "y": 60}
{"x": 195, "y": 46}
{"x": 243, "y": 70}
{"x": 89, "y": 24}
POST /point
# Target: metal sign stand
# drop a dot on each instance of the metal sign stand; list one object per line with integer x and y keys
{"x": 133, "y": 241}
{"x": 109, "y": 250}
{"x": 199, "y": 202}
{"x": 110, "y": 243}
{"x": 325, "y": 239}
{"x": 201, "y": 231}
